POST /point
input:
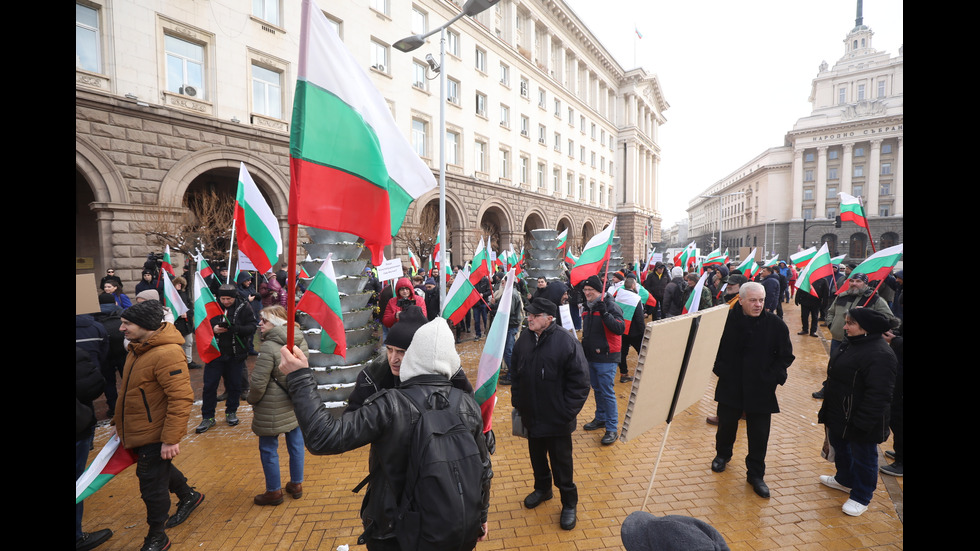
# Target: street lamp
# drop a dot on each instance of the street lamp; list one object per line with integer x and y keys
{"x": 719, "y": 209}
{"x": 471, "y": 8}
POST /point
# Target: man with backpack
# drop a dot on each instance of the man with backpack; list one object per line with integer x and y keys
{"x": 429, "y": 481}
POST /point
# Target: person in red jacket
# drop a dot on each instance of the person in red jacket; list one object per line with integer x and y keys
{"x": 404, "y": 295}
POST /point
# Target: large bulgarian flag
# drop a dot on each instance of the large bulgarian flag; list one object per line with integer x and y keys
{"x": 112, "y": 460}
{"x": 460, "y": 297}
{"x": 595, "y": 254}
{"x": 257, "y": 227}
{"x": 817, "y": 269}
{"x": 802, "y": 258}
{"x": 694, "y": 299}
{"x": 172, "y": 298}
{"x": 321, "y": 301}
{"x": 851, "y": 210}
{"x": 205, "y": 308}
{"x": 628, "y": 302}
{"x": 877, "y": 266}
{"x": 351, "y": 169}
{"x": 493, "y": 355}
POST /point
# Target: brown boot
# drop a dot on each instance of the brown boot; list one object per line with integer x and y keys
{"x": 269, "y": 498}
{"x": 295, "y": 490}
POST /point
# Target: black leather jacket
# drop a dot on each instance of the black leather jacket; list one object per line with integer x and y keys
{"x": 385, "y": 421}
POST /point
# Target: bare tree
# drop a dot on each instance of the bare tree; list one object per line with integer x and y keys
{"x": 422, "y": 241}
{"x": 201, "y": 226}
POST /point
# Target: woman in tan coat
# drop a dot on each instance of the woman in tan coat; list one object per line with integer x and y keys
{"x": 273, "y": 411}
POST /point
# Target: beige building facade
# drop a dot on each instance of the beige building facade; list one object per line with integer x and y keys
{"x": 544, "y": 128}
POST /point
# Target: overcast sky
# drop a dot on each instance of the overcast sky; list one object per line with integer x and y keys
{"x": 737, "y": 75}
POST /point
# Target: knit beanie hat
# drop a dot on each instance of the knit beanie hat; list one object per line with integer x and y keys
{"x": 594, "y": 282}
{"x": 148, "y": 315}
{"x": 227, "y": 290}
{"x": 149, "y": 294}
{"x": 402, "y": 332}
{"x": 870, "y": 320}
{"x": 433, "y": 352}
{"x": 642, "y": 531}
{"x": 676, "y": 271}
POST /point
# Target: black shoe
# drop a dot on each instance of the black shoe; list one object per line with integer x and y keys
{"x": 185, "y": 508}
{"x": 594, "y": 424}
{"x": 535, "y": 498}
{"x": 818, "y": 394}
{"x": 194, "y": 365}
{"x": 890, "y": 454}
{"x": 718, "y": 464}
{"x": 814, "y": 335}
{"x": 567, "y": 521}
{"x": 156, "y": 542}
{"x": 91, "y": 540}
{"x": 625, "y": 378}
{"x": 607, "y": 439}
{"x": 206, "y": 424}
{"x": 760, "y": 487}
{"x": 803, "y": 332}
{"x": 895, "y": 469}
{"x": 231, "y": 419}
{"x": 504, "y": 379}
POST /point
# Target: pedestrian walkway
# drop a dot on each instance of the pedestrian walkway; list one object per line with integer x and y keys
{"x": 612, "y": 480}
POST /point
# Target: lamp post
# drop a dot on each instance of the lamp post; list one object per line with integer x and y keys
{"x": 471, "y": 8}
{"x": 719, "y": 209}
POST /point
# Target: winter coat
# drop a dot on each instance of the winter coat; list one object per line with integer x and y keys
{"x": 391, "y": 311}
{"x": 602, "y": 330}
{"x": 89, "y": 385}
{"x": 860, "y": 381}
{"x": 234, "y": 342}
{"x": 550, "y": 381}
{"x": 772, "y": 286}
{"x": 752, "y": 359}
{"x": 270, "y": 291}
{"x": 386, "y": 421}
{"x": 655, "y": 283}
{"x": 852, "y": 298}
{"x": 272, "y": 411}
{"x": 673, "y": 301}
{"x": 155, "y": 398}
{"x": 377, "y": 376}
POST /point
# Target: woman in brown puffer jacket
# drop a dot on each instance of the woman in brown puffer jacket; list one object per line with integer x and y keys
{"x": 272, "y": 410}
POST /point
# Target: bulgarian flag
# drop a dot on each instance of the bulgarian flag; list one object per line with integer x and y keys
{"x": 838, "y": 259}
{"x": 321, "y": 301}
{"x": 694, "y": 299}
{"x": 746, "y": 266}
{"x": 818, "y": 268}
{"x": 802, "y": 258}
{"x": 570, "y": 258}
{"x": 877, "y": 266}
{"x": 495, "y": 261}
{"x": 172, "y": 299}
{"x": 645, "y": 296}
{"x": 168, "y": 266}
{"x": 715, "y": 257}
{"x": 493, "y": 354}
{"x": 595, "y": 254}
{"x": 480, "y": 264}
{"x": 436, "y": 250}
{"x": 460, "y": 297}
{"x": 628, "y": 302}
{"x": 302, "y": 273}
{"x": 205, "y": 308}
{"x": 753, "y": 270}
{"x": 689, "y": 257}
{"x": 562, "y": 239}
{"x": 258, "y": 231}
{"x": 350, "y": 167}
{"x": 851, "y": 210}
{"x": 112, "y": 460}
{"x": 204, "y": 268}
{"x": 414, "y": 261}
{"x": 520, "y": 262}
{"x": 772, "y": 261}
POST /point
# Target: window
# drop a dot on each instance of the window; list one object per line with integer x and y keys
{"x": 581, "y": 123}
{"x": 884, "y": 210}
{"x": 420, "y": 21}
{"x": 808, "y": 194}
{"x": 832, "y": 213}
{"x": 420, "y": 129}
{"x": 525, "y": 88}
{"x": 602, "y": 135}
{"x": 185, "y": 67}
{"x": 542, "y": 95}
{"x": 525, "y": 126}
{"x": 557, "y": 141}
{"x": 555, "y": 179}
{"x": 886, "y": 169}
{"x": 832, "y": 173}
{"x": 88, "y": 50}
{"x": 452, "y": 91}
{"x": 558, "y": 108}
{"x": 857, "y": 190}
{"x": 571, "y": 116}
{"x": 418, "y": 70}
{"x": 808, "y": 214}
{"x": 592, "y": 191}
{"x": 832, "y": 154}
{"x": 481, "y": 60}
{"x": 808, "y": 157}
{"x": 379, "y": 56}
{"x": 504, "y": 75}
{"x": 571, "y": 149}
{"x": 480, "y": 158}
{"x": 540, "y": 175}
{"x": 504, "y": 116}
{"x": 380, "y": 6}
{"x": 859, "y": 152}
{"x": 266, "y": 9}
{"x": 602, "y": 164}
{"x": 481, "y": 104}
{"x": 337, "y": 25}
{"x": 592, "y": 162}
{"x": 885, "y": 188}
{"x": 452, "y": 42}
{"x": 831, "y": 192}
{"x": 505, "y": 164}
{"x": 266, "y": 92}
{"x": 592, "y": 133}
{"x": 881, "y": 88}
{"x": 808, "y": 175}
{"x": 581, "y": 187}
{"x": 542, "y": 134}
{"x": 842, "y": 96}
{"x": 569, "y": 184}
{"x": 581, "y": 153}
{"x": 860, "y": 92}
{"x": 886, "y": 148}
{"x": 611, "y": 142}
{"x": 859, "y": 171}
{"x": 452, "y": 148}
{"x": 523, "y": 174}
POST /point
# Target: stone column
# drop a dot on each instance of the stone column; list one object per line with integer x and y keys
{"x": 899, "y": 190}
{"x": 797, "y": 184}
{"x": 847, "y": 168}
{"x": 872, "y": 177}
{"x": 822, "y": 172}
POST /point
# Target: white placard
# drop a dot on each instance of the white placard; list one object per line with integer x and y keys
{"x": 390, "y": 269}
{"x": 566, "y": 318}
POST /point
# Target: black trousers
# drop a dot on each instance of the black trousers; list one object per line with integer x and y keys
{"x": 628, "y": 342}
{"x": 756, "y": 428}
{"x": 559, "y": 450}
{"x": 158, "y": 479}
{"x": 809, "y": 315}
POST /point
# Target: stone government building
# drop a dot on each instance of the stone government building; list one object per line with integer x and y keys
{"x": 545, "y": 129}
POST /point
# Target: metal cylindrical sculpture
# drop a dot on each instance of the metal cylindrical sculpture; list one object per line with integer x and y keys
{"x": 544, "y": 259}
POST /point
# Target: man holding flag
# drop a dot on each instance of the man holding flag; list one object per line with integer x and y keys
{"x": 550, "y": 385}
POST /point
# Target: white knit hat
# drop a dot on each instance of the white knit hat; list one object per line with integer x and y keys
{"x": 432, "y": 352}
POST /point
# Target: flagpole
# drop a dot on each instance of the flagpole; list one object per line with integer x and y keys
{"x": 291, "y": 285}
{"x": 867, "y": 226}
{"x": 231, "y": 247}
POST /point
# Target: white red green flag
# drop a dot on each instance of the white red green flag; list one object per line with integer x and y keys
{"x": 257, "y": 227}
{"x": 562, "y": 239}
{"x": 460, "y": 297}
{"x": 802, "y": 258}
{"x": 628, "y": 302}
{"x": 772, "y": 261}
{"x": 694, "y": 299}
{"x": 595, "y": 254}
{"x": 493, "y": 354}
{"x": 877, "y": 266}
{"x": 745, "y": 267}
{"x": 168, "y": 266}
{"x": 204, "y": 268}
{"x": 112, "y": 460}
{"x": 205, "y": 308}
{"x": 838, "y": 259}
{"x": 818, "y": 268}
{"x": 172, "y": 298}
{"x": 414, "y": 262}
{"x": 321, "y": 301}
{"x": 351, "y": 168}
{"x": 570, "y": 258}
{"x": 851, "y": 210}
{"x": 645, "y": 295}
{"x": 715, "y": 258}
{"x": 481, "y": 264}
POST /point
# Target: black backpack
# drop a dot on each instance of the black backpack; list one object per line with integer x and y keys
{"x": 441, "y": 505}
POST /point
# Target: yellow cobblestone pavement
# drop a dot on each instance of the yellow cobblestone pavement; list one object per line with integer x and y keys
{"x": 612, "y": 480}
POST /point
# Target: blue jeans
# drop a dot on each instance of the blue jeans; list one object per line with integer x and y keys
{"x": 603, "y": 378}
{"x": 480, "y": 317}
{"x": 509, "y": 345}
{"x": 857, "y": 467}
{"x": 269, "y": 453}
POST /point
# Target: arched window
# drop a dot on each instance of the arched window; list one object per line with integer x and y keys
{"x": 888, "y": 239}
{"x": 859, "y": 245}
{"x": 831, "y": 240}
